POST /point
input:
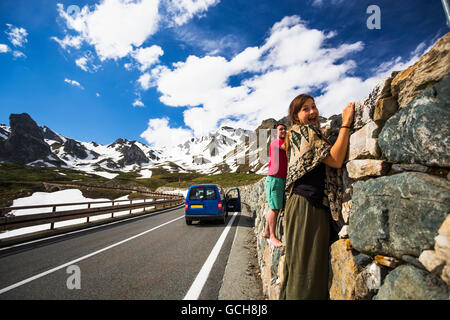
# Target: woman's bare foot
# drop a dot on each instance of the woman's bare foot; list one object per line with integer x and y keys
{"x": 275, "y": 242}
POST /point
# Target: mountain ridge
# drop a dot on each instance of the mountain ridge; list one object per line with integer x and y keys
{"x": 25, "y": 142}
{"x": 225, "y": 150}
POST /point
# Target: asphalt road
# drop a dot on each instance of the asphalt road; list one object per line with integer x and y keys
{"x": 152, "y": 257}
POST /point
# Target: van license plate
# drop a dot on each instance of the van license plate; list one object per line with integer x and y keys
{"x": 196, "y": 206}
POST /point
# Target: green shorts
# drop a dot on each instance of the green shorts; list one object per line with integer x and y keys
{"x": 275, "y": 192}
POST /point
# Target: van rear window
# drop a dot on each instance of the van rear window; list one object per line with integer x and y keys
{"x": 203, "y": 193}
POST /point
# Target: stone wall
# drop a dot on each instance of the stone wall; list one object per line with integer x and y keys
{"x": 269, "y": 258}
{"x": 395, "y": 223}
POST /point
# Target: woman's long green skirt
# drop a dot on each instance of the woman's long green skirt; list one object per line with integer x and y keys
{"x": 307, "y": 232}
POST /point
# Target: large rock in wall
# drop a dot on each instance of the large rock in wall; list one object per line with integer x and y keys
{"x": 395, "y": 241}
{"x": 420, "y": 132}
{"x": 430, "y": 68}
{"x": 398, "y": 214}
{"x": 343, "y": 272}
{"x": 410, "y": 283}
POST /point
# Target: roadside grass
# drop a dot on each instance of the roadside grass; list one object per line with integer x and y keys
{"x": 18, "y": 180}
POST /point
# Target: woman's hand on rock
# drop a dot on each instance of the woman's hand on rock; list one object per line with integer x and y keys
{"x": 347, "y": 114}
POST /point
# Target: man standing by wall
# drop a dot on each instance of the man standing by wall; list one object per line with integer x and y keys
{"x": 275, "y": 183}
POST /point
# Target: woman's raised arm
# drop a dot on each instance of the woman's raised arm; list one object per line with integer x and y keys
{"x": 338, "y": 151}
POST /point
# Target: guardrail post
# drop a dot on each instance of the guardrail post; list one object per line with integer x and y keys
{"x": 131, "y": 202}
{"x": 112, "y": 213}
{"x": 52, "y": 225}
{"x": 89, "y": 206}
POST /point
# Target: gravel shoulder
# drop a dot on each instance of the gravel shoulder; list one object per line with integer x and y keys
{"x": 242, "y": 280}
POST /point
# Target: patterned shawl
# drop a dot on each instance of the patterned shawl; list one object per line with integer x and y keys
{"x": 306, "y": 148}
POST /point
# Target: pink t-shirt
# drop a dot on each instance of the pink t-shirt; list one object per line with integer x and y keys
{"x": 277, "y": 160}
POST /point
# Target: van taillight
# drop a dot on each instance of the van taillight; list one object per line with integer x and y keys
{"x": 219, "y": 205}
{"x": 186, "y": 206}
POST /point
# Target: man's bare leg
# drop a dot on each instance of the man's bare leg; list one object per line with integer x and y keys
{"x": 266, "y": 233}
{"x": 271, "y": 222}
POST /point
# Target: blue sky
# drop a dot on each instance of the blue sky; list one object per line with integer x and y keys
{"x": 162, "y": 71}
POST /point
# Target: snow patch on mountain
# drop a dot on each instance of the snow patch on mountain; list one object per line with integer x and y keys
{"x": 226, "y": 150}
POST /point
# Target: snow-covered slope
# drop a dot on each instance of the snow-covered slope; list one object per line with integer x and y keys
{"x": 226, "y": 150}
{"x": 4, "y": 131}
{"x": 221, "y": 151}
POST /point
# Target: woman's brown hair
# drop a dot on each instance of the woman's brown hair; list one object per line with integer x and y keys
{"x": 296, "y": 105}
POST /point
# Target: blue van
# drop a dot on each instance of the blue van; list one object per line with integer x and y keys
{"x": 209, "y": 202}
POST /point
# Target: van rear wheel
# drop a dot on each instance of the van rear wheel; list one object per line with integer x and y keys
{"x": 188, "y": 221}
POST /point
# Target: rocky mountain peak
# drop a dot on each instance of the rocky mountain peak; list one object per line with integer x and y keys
{"x": 4, "y": 131}
{"x": 50, "y": 135}
{"x": 25, "y": 142}
{"x": 23, "y": 125}
{"x": 133, "y": 155}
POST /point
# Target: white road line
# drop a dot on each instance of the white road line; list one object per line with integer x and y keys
{"x": 40, "y": 275}
{"x": 197, "y": 286}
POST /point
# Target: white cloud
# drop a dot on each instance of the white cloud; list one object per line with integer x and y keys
{"x": 73, "y": 83}
{"x": 82, "y": 63}
{"x": 146, "y": 57}
{"x": 290, "y": 61}
{"x": 193, "y": 81}
{"x": 17, "y": 36}
{"x": 207, "y": 41}
{"x": 293, "y": 59}
{"x": 319, "y": 3}
{"x": 69, "y": 42}
{"x": 145, "y": 81}
{"x": 397, "y": 63}
{"x": 184, "y": 10}
{"x": 138, "y": 103}
{"x": 339, "y": 93}
{"x": 128, "y": 66}
{"x": 161, "y": 135}
{"x": 150, "y": 78}
{"x": 86, "y": 62}
{"x": 18, "y": 54}
{"x": 4, "y": 48}
{"x": 119, "y": 28}
{"x": 113, "y": 27}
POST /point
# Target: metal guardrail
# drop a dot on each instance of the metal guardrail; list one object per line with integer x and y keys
{"x": 10, "y": 222}
{"x": 67, "y": 185}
